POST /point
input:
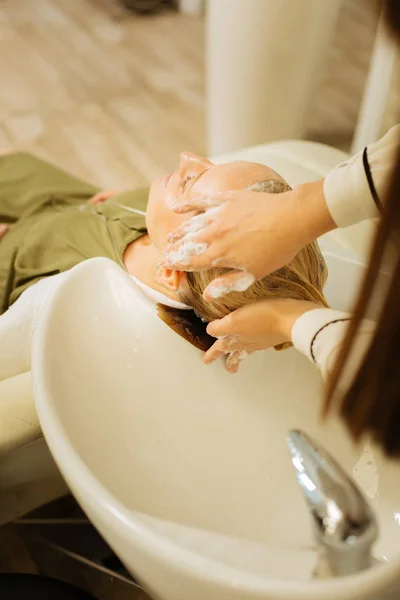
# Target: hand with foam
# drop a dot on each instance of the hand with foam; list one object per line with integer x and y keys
{"x": 250, "y": 232}
{"x": 257, "y": 326}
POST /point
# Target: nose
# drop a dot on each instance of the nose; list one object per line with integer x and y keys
{"x": 186, "y": 160}
{"x": 192, "y": 162}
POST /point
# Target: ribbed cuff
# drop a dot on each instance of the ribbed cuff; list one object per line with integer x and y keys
{"x": 348, "y": 194}
{"x": 307, "y": 327}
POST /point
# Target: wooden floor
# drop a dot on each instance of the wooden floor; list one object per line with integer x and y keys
{"x": 111, "y": 96}
{"x": 334, "y": 110}
{"x": 115, "y": 97}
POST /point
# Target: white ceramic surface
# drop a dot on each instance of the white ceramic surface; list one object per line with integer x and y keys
{"x": 182, "y": 467}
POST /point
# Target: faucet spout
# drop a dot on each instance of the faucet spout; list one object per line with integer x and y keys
{"x": 344, "y": 524}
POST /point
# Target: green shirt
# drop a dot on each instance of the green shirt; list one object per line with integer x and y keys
{"x": 53, "y": 228}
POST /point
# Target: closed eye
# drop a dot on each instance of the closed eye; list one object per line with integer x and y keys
{"x": 191, "y": 177}
{"x": 186, "y": 179}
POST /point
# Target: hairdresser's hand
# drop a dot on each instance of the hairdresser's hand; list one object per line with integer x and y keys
{"x": 257, "y": 326}
{"x": 101, "y": 197}
{"x": 4, "y": 227}
{"x": 252, "y": 233}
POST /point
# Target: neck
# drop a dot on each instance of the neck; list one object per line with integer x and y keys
{"x": 141, "y": 259}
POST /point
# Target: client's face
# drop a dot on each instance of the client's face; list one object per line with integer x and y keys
{"x": 200, "y": 177}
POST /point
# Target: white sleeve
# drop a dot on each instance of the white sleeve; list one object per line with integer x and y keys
{"x": 355, "y": 189}
{"x": 319, "y": 335}
{"x": 17, "y": 326}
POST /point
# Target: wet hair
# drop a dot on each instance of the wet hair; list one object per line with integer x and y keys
{"x": 303, "y": 278}
{"x": 371, "y": 404}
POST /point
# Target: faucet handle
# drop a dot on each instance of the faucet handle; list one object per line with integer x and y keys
{"x": 345, "y": 526}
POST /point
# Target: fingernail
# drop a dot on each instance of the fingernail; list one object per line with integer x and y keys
{"x": 233, "y": 369}
{"x": 217, "y": 291}
{"x": 232, "y": 366}
{"x": 240, "y": 285}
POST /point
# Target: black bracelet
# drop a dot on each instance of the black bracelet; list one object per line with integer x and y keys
{"x": 321, "y": 329}
{"x": 370, "y": 180}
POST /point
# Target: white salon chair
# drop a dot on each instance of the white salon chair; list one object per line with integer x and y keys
{"x": 28, "y": 476}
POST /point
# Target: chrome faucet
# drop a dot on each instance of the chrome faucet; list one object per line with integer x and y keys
{"x": 344, "y": 524}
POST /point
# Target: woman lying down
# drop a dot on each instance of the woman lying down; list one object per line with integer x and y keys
{"x": 50, "y": 221}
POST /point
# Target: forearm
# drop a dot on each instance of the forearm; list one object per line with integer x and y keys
{"x": 352, "y": 192}
{"x": 310, "y": 211}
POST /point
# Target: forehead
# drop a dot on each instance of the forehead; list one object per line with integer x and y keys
{"x": 217, "y": 178}
{"x": 232, "y": 176}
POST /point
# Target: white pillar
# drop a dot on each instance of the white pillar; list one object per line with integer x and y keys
{"x": 191, "y": 7}
{"x": 377, "y": 88}
{"x": 262, "y": 60}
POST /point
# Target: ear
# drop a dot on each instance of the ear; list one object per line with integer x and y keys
{"x": 168, "y": 278}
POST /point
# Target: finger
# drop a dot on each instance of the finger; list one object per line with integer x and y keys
{"x": 4, "y": 227}
{"x": 96, "y": 198}
{"x": 221, "y": 327}
{"x": 192, "y": 226}
{"x": 230, "y": 342}
{"x": 232, "y": 362}
{"x": 210, "y": 358}
{"x": 190, "y": 255}
{"x": 233, "y": 281}
{"x": 184, "y": 254}
{"x": 201, "y": 203}
{"x": 234, "y": 359}
{"x": 213, "y": 353}
{"x": 102, "y": 196}
{"x": 219, "y": 348}
{"x": 179, "y": 233}
{"x": 223, "y": 346}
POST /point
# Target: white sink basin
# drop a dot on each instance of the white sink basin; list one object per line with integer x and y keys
{"x": 183, "y": 468}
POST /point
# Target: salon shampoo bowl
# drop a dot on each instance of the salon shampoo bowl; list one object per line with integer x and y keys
{"x": 183, "y": 468}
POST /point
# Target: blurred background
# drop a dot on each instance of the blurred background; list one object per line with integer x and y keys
{"x": 114, "y": 90}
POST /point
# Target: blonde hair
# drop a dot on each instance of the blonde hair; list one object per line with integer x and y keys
{"x": 303, "y": 278}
